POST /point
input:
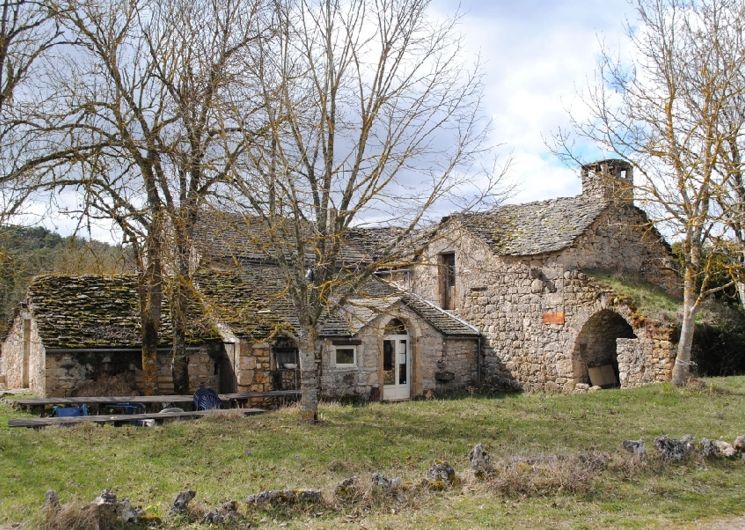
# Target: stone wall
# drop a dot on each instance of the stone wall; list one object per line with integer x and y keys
{"x": 66, "y": 372}
{"x": 621, "y": 239}
{"x": 254, "y": 367}
{"x": 12, "y": 361}
{"x": 531, "y": 310}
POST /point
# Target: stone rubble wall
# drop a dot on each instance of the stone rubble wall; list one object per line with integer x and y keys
{"x": 11, "y": 360}
{"x": 531, "y": 309}
{"x": 65, "y": 372}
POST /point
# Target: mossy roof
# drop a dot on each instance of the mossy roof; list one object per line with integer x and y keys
{"x": 534, "y": 227}
{"x": 245, "y": 238}
{"x": 253, "y": 302}
{"x": 104, "y": 312}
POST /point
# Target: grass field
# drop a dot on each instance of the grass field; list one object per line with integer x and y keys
{"x": 227, "y": 458}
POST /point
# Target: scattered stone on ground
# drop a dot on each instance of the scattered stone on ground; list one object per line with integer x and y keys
{"x": 226, "y": 513}
{"x": 716, "y": 448}
{"x": 182, "y": 501}
{"x": 106, "y": 508}
{"x": 347, "y": 489}
{"x": 440, "y": 476}
{"x": 51, "y": 500}
{"x": 287, "y": 497}
{"x": 725, "y": 448}
{"x": 739, "y": 444}
{"x": 635, "y": 447}
{"x": 388, "y": 484}
{"x": 595, "y": 388}
{"x": 581, "y": 387}
{"x": 480, "y": 461}
{"x": 672, "y": 449}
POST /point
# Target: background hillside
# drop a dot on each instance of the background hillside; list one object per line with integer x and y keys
{"x": 28, "y": 251}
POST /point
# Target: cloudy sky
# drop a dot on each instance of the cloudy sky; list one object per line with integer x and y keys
{"x": 537, "y": 55}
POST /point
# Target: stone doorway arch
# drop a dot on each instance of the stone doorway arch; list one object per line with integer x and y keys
{"x": 595, "y": 356}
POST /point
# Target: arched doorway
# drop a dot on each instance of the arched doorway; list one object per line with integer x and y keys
{"x": 595, "y": 354}
{"x": 396, "y": 361}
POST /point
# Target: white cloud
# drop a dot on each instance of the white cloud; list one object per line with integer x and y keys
{"x": 537, "y": 56}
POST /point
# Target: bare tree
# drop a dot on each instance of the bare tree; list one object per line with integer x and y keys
{"x": 373, "y": 120}
{"x": 665, "y": 110}
{"x": 27, "y": 32}
{"x": 143, "y": 113}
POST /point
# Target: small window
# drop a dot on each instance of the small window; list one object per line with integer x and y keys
{"x": 345, "y": 355}
{"x": 447, "y": 280}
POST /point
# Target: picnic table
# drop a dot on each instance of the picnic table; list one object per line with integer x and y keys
{"x": 125, "y": 418}
{"x": 236, "y": 399}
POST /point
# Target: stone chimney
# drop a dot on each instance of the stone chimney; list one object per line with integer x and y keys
{"x": 609, "y": 180}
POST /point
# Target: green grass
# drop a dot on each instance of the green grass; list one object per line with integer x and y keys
{"x": 649, "y": 299}
{"x": 224, "y": 458}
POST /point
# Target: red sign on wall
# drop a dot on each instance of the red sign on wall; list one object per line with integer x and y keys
{"x": 554, "y": 317}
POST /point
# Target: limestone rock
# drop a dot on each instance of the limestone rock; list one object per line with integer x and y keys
{"x": 381, "y": 481}
{"x": 725, "y": 449}
{"x": 347, "y": 489}
{"x": 182, "y": 501}
{"x": 636, "y": 447}
{"x": 675, "y": 450}
{"x": 582, "y": 387}
{"x": 285, "y": 497}
{"x": 440, "y": 476}
{"x": 224, "y": 514}
{"x": 106, "y": 508}
{"x": 480, "y": 461}
{"x": 51, "y": 500}
{"x": 739, "y": 444}
{"x": 708, "y": 449}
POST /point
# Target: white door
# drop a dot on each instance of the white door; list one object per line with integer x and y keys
{"x": 396, "y": 367}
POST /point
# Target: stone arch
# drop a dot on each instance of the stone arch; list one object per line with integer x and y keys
{"x": 595, "y": 356}
{"x": 394, "y": 318}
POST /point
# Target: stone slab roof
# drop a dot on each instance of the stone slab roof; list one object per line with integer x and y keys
{"x": 376, "y": 242}
{"x": 102, "y": 312}
{"x": 244, "y": 238}
{"x": 253, "y": 302}
{"x": 534, "y": 227}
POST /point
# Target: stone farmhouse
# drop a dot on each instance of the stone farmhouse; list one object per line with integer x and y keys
{"x": 505, "y": 298}
{"x": 520, "y": 274}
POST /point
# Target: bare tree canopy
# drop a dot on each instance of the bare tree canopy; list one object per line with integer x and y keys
{"x": 674, "y": 110}
{"x": 27, "y": 33}
{"x": 373, "y": 118}
{"x": 142, "y": 112}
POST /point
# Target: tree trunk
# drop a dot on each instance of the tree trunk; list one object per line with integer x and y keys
{"x": 309, "y": 375}
{"x": 682, "y": 367}
{"x": 183, "y": 222}
{"x": 151, "y": 295}
{"x": 179, "y": 356}
{"x": 741, "y": 293}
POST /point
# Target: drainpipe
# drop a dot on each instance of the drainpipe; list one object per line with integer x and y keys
{"x": 478, "y": 361}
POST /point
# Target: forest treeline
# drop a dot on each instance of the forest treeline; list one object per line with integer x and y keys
{"x": 28, "y": 251}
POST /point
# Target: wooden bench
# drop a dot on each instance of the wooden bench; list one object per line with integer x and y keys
{"x": 125, "y": 418}
{"x": 236, "y": 398}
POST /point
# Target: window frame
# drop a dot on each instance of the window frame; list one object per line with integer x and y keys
{"x": 352, "y": 347}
